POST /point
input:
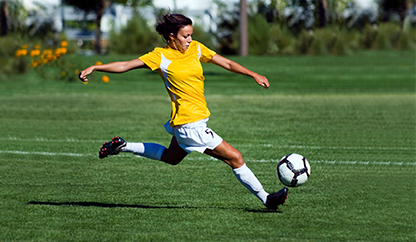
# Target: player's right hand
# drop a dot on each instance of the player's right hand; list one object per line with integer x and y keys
{"x": 83, "y": 74}
{"x": 82, "y": 78}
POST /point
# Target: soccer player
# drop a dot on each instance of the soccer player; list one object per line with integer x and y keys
{"x": 179, "y": 66}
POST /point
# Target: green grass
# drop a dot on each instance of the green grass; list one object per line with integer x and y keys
{"x": 353, "y": 118}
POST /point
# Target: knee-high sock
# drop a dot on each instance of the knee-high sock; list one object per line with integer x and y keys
{"x": 250, "y": 181}
{"x": 148, "y": 150}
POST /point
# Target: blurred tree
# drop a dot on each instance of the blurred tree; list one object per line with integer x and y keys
{"x": 330, "y": 11}
{"x": 3, "y": 17}
{"x": 399, "y": 7}
{"x": 322, "y": 5}
{"x": 243, "y": 26}
{"x": 12, "y": 17}
{"x": 98, "y": 7}
{"x": 303, "y": 12}
{"x": 227, "y": 27}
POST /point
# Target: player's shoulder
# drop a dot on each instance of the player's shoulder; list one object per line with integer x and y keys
{"x": 198, "y": 46}
{"x": 158, "y": 50}
{"x": 195, "y": 44}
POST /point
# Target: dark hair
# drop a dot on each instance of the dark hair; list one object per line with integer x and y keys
{"x": 171, "y": 24}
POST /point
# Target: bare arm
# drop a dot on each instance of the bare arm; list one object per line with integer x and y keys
{"x": 114, "y": 67}
{"x": 239, "y": 69}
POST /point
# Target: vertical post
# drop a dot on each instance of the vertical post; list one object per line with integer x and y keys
{"x": 175, "y": 7}
{"x": 4, "y": 14}
{"x": 243, "y": 28}
{"x": 63, "y": 15}
{"x": 322, "y": 13}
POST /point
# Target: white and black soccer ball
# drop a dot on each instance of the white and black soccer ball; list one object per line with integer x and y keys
{"x": 293, "y": 170}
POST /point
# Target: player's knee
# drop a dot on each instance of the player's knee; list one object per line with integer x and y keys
{"x": 175, "y": 162}
{"x": 236, "y": 160}
{"x": 171, "y": 160}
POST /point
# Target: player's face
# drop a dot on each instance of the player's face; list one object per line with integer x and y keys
{"x": 183, "y": 38}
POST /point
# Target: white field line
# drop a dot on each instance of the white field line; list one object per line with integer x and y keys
{"x": 239, "y": 145}
{"x": 16, "y": 152}
{"x": 51, "y": 140}
{"x": 327, "y": 162}
{"x": 338, "y": 148}
{"x": 209, "y": 158}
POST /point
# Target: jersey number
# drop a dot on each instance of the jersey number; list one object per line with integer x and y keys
{"x": 208, "y": 131}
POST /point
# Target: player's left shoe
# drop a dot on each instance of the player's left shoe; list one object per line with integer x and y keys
{"x": 277, "y": 198}
{"x": 112, "y": 147}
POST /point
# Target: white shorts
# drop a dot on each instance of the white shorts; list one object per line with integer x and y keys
{"x": 194, "y": 136}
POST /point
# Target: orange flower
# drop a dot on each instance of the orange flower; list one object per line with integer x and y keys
{"x": 35, "y": 63}
{"x": 21, "y": 52}
{"x": 46, "y": 52}
{"x": 34, "y": 53}
{"x": 105, "y": 79}
{"x": 64, "y": 43}
{"x": 60, "y": 51}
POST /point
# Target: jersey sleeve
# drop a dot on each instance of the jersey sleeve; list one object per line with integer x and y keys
{"x": 152, "y": 59}
{"x": 206, "y": 53}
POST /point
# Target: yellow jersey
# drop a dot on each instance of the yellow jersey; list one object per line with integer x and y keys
{"x": 184, "y": 80}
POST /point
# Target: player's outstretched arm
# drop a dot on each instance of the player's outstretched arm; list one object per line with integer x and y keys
{"x": 114, "y": 67}
{"x": 237, "y": 68}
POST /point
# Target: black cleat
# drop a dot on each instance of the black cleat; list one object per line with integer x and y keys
{"x": 277, "y": 198}
{"x": 111, "y": 148}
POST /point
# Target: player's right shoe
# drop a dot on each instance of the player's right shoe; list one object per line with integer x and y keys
{"x": 112, "y": 147}
{"x": 277, "y": 198}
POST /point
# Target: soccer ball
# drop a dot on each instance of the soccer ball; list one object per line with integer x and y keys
{"x": 293, "y": 170}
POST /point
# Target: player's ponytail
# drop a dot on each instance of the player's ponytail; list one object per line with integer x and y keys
{"x": 171, "y": 24}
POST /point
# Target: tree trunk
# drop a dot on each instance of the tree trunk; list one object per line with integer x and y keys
{"x": 98, "y": 18}
{"x": 322, "y": 13}
{"x": 243, "y": 25}
{"x": 99, "y": 11}
{"x": 400, "y": 7}
{"x": 406, "y": 6}
{"x": 4, "y": 18}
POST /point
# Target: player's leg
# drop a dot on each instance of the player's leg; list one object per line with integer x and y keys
{"x": 172, "y": 155}
{"x": 111, "y": 147}
{"x": 234, "y": 159}
{"x": 149, "y": 150}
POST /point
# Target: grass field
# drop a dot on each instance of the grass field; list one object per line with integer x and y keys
{"x": 353, "y": 118}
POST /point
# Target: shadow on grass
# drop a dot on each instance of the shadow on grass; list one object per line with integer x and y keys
{"x": 112, "y": 205}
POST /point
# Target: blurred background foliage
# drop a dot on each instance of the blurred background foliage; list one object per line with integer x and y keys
{"x": 319, "y": 27}
{"x": 276, "y": 27}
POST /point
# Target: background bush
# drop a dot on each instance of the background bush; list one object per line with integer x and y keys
{"x": 203, "y": 36}
{"x": 407, "y": 40}
{"x": 274, "y": 36}
{"x": 8, "y": 64}
{"x": 332, "y": 40}
{"x": 135, "y": 38}
{"x": 258, "y": 35}
{"x": 386, "y": 36}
